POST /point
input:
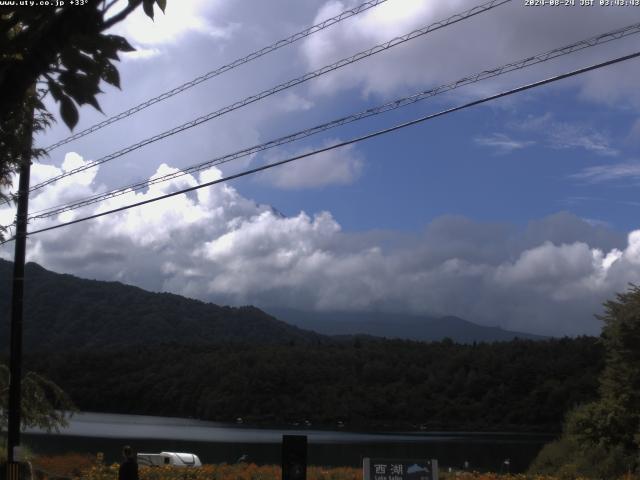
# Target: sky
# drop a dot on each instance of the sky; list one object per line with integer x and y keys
{"x": 520, "y": 213}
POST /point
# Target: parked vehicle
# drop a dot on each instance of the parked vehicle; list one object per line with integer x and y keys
{"x": 175, "y": 459}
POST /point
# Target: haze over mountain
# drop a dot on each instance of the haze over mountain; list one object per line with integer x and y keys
{"x": 66, "y": 312}
{"x": 390, "y": 325}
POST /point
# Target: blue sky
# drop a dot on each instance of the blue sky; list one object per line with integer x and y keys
{"x": 482, "y": 163}
{"x": 520, "y": 213}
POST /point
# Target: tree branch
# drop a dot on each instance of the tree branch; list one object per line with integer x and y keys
{"x": 106, "y": 8}
{"x": 118, "y": 17}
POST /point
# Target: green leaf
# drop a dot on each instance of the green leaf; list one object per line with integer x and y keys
{"x": 119, "y": 43}
{"x": 110, "y": 75}
{"x": 68, "y": 112}
{"x": 162, "y": 4}
{"x": 73, "y": 59}
{"x": 56, "y": 91}
{"x": 147, "y": 5}
{"x": 91, "y": 100}
{"x": 81, "y": 88}
{"x": 94, "y": 103}
{"x": 88, "y": 43}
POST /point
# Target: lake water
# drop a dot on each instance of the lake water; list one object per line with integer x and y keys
{"x": 217, "y": 442}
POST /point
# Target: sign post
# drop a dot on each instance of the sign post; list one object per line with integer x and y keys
{"x": 399, "y": 469}
{"x": 294, "y": 457}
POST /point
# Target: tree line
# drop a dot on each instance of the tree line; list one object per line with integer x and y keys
{"x": 362, "y": 382}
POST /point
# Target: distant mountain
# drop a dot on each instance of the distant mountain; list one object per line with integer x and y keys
{"x": 409, "y": 327}
{"x": 65, "y": 312}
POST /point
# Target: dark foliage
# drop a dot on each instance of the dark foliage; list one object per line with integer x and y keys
{"x": 366, "y": 383}
{"x": 63, "y": 312}
{"x": 44, "y": 404}
{"x": 601, "y": 438}
{"x": 117, "y": 348}
{"x": 63, "y": 51}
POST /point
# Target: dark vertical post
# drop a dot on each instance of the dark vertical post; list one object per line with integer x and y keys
{"x": 17, "y": 295}
{"x": 294, "y": 457}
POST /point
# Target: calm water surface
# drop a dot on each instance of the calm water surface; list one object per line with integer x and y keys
{"x": 218, "y": 442}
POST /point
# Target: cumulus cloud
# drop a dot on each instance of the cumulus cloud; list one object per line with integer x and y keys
{"x": 217, "y": 245}
{"x": 341, "y": 166}
{"x": 179, "y": 19}
{"x": 293, "y": 102}
{"x": 488, "y": 40}
{"x": 141, "y": 54}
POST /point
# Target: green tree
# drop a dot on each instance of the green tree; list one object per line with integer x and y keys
{"x": 44, "y": 404}
{"x": 65, "y": 52}
{"x": 603, "y": 436}
{"x": 614, "y": 420}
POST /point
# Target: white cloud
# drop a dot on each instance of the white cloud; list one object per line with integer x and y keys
{"x": 294, "y": 102}
{"x": 610, "y": 172}
{"x": 560, "y": 134}
{"x": 564, "y": 135}
{"x": 219, "y": 246}
{"x": 596, "y": 222}
{"x": 341, "y": 166}
{"x": 502, "y": 143}
{"x": 179, "y": 19}
{"x": 141, "y": 54}
{"x": 502, "y": 35}
{"x": 377, "y": 25}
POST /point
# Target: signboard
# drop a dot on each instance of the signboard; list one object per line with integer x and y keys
{"x": 18, "y": 454}
{"x": 399, "y": 469}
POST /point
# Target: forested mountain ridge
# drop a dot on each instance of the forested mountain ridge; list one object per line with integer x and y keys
{"x": 365, "y": 383}
{"x": 66, "y": 312}
{"x": 117, "y": 348}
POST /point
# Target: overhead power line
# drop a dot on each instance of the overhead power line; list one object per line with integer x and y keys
{"x": 347, "y": 142}
{"x": 220, "y": 70}
{"x": 393, "y": 105}
{"x": 283, "y": 86}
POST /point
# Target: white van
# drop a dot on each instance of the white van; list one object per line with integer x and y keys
{"x": 169, "y": 458}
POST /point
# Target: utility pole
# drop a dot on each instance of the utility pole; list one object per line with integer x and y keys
{"x": 17, "y": 295}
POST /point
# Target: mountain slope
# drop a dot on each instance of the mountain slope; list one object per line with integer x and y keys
{"x": 66, "y": 312}
{"x": 409, "y": 327}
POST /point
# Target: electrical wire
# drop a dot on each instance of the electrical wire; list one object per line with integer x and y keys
{"x": 283, "y": 86}
{"x": 389, "y": 106}
{"x": 345, "y": 143}
{"x": 220, "y": 70}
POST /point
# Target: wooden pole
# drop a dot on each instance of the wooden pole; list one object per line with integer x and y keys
{"x": 17, "y": 293}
